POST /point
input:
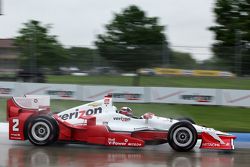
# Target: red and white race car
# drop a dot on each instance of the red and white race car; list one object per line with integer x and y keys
{"x": 99, "y": 123}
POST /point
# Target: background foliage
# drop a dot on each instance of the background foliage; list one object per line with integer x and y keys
{"x": 232, "y": 35}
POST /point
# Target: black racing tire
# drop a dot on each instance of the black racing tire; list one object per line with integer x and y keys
{"x": 190, "y": 120}
{"x": 42, "y": 130}
{"x": 182, "y": 136}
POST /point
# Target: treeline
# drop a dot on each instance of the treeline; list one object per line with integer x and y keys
{"x": 133, "y": 40}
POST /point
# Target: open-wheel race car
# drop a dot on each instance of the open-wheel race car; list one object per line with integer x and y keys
{"x": 100, "y": 123}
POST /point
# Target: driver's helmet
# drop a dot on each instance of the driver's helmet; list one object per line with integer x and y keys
{"x": 126, "y": 111}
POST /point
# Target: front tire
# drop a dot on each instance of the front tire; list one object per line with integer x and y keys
{"x": 182, "y": 136}
{"x": 190, "y": 120}
{"x": 43, "y": 130}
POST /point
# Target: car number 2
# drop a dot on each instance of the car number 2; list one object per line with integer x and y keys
{"x": 15, "y": 126}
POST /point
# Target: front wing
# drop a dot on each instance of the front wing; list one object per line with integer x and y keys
{"x": 221, "y": 142}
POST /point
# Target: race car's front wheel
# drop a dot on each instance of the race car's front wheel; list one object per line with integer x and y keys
{"x": 42, "y": 130}
{"x": 190, "y": 120}
{"x": 182, "y": 136}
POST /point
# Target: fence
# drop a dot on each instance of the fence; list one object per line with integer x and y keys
{"x": 169, "y": 95}
{"x": 116, "y": 60}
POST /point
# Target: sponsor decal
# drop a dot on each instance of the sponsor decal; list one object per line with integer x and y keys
{"x": 113, "y": 142}
{"x": 94, "y": 104}
{"x": 123, "y": 119}
{"x": 134, "y": 144}
{"x": 60, "y": 93}
{"x": 5, "y": 91}
{"x": 76, "y": 114}
{"x": 105, "y": 123}
{"x": 127, "y": 96}
{"x": 211, "y": 144}
{"x": 15, "y": 134}
{"x": 23, "y": 102}
{"x": 35, "y": 100}
{"x": 197, "y": 98}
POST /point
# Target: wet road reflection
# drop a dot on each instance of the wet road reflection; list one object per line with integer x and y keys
{"x": 23, "y": 154}
{"x": 19, "y": 156}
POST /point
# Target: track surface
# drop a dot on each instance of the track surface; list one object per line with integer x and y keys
{"x": 23, "y": 154}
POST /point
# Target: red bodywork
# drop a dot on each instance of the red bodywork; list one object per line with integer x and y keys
{"x": 95, "y": 134}
{"x": 17, "y": 117}
{"x": 86, "y": 133}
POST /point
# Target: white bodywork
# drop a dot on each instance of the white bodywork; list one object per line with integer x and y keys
{"x": 106, "y": 114}
{"x": 33, "y": 101}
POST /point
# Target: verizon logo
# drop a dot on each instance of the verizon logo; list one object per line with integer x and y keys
{"x": 123, "y": 119}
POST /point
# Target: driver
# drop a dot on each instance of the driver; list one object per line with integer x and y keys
{"x": 126, "y": 111}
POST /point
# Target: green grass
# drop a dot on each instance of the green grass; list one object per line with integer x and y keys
{"x": 192, "y": 82}
{"x": 2, "y": 109}
{"x": 221, "y": 118}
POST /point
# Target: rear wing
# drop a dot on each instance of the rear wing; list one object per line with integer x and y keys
{"x": 27, "y": 102}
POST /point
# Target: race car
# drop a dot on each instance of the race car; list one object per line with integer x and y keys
{"x": 100, "y": 123}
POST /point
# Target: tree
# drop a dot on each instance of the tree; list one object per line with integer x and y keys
{"x": 84, "y": 58}
{"x": 232, "y": 34}
{"x": 182, "y": 60}
{"x": 133, "y": 40}
{"x": 38, "y": 48}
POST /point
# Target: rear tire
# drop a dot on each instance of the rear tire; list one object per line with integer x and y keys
{"x": 182, "y": 136}
{"x": 42, "y": 130}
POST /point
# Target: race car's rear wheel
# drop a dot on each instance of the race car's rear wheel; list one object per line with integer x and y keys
{"x": 42, "y": 130}
{"x": 182, "y": 136}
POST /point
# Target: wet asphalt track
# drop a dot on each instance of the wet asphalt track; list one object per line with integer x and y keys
{"x": 23, "y": 154}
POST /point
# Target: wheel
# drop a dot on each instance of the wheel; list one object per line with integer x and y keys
{"x": 190, "y": 120}
{"x": 42, "y": 130}
{"x": 182, "y": 136}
